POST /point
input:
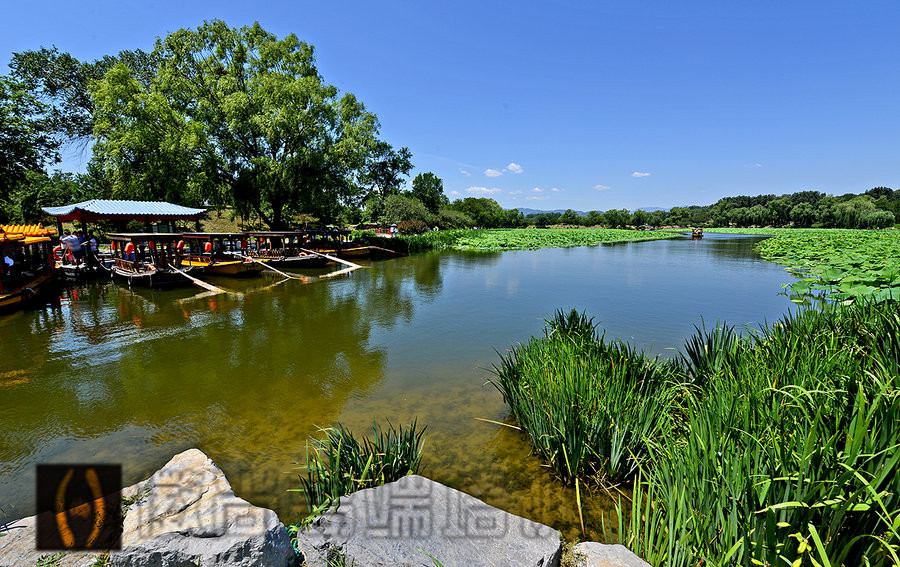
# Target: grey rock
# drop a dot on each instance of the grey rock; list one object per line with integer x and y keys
{"x": 405, "y": 522}
{"x": 592, "y": 554}
{"x": 17, "y": 547}
{"x": 187, "y": 514}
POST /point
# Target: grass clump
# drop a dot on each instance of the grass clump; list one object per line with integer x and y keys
{"x": 588, "y": 405}
{"x": 780, "y": 446}
{"x": 339, "y": 464}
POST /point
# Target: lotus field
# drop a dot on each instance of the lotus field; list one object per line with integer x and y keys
{"x": 844, "y": 264}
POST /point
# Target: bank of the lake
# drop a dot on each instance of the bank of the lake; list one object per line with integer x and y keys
{"x": 134, "y": 376}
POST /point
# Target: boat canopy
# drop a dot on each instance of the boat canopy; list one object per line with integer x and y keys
{"x": 103, "y": 209}
{"x": 145, "y": 236}
{"x": 28, "y": 229}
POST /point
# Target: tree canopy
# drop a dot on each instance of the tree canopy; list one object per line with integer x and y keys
{"x": 234, "y": 116}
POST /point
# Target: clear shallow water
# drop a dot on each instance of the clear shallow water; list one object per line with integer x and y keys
{"x": 132, "y": 377}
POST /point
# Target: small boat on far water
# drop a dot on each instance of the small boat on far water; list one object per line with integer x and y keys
{"x": 696, "y": 233}
{"x": 149, "y": 259}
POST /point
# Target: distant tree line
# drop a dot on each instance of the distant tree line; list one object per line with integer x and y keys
{"x": 876, "y": 208}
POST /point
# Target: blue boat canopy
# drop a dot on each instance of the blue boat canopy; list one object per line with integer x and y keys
{"x": 102, "y": 209}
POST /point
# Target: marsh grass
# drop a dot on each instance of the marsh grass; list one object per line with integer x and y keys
{"x": 338, "y": 464}
{"x": 779, "y": 446}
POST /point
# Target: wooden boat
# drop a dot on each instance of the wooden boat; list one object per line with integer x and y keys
{"x": 696, "y": 233}
{"x": 29, "y": 249}
{"x": 285, "y": 249}
{"x": 149, "y": 259}
{"x": 220, "y": 254}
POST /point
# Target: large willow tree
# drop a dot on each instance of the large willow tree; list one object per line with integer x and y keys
{"x": 234, "y": 116}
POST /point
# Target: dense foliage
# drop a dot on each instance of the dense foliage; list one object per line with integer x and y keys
{"x": 778, "y": 447}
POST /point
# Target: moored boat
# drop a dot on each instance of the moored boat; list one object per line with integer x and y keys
{"x": 284, "y": 249}
{"x": 220, "y": 254}
{"x": 26, "y": 264}
{"x": 149, "y": 259}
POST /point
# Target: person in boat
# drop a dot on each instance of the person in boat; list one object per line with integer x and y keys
{"x": 90, "y": 248}
{"x": 72, "y": 247}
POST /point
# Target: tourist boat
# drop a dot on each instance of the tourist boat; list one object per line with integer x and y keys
{"x": 696, "y": 233}
{"x": 285, "y": 249}
{"x": 26, "y": 264}
{"x": 149, "y": 259}
{"x": 221, "y": 254}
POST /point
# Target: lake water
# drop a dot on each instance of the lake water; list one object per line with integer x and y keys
{"x": 114, "y": 375}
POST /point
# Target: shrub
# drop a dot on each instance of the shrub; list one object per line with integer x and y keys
{"x": 412, "y": 227}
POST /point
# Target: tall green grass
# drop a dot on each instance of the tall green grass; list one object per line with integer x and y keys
{"x": 589, "y": 406}
{"x": 780, "y": 446}
{"x": 339, "y": 464}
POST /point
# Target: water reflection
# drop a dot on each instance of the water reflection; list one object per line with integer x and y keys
{"x": 109, "y": 374}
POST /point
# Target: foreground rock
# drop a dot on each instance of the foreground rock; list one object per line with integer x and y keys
{"x": 413, "y": 520}
{"x": 185, "y": 514}
{"x": 592, "y": 554}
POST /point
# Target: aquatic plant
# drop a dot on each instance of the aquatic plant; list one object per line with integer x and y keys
{"x": 339, "y": 464}
{"x": 588, "y": 406}
{"x": 782, "y": 444}
{"x": 843, "y": 264}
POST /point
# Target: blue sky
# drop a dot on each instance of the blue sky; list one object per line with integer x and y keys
{"x": 584, "y": 105}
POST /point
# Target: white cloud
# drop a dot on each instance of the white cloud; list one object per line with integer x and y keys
{"x": 555, "y": 190}
{"x": 602, "y": 187}
{"x": 454, "y": 192}
{"x": 517, "y": 192}
{"x": 640, "y": 174}
{"x": 493, "y": 172}
{"x": 538, "y": 190}
{"x": 483, "y": 190}
{"x": 514, "y": 167}
{"x": 754, "y": 165}
{"x": 466, "y": 173}
{"x": 538, "y": 197}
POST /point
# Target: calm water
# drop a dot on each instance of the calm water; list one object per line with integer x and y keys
{"x": 132, "y": 377}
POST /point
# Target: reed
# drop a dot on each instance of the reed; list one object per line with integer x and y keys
{"x": 339, "y": 464}
{"x": 588, "y": 405}
{"x": 778, "y": 446}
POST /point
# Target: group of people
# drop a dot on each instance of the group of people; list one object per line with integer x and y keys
{"x": 79, "y": 247}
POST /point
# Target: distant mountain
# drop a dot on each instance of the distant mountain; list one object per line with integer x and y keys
{"x": 527, "y": 212}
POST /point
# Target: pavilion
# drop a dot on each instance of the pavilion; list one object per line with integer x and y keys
{"x": 147, "y": 212}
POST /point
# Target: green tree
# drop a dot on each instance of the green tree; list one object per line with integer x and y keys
{"x": 383, "y": 175}
{"x": 404, "y": 207}
{"x": 617, "y": 217}
{"x": 26, "y": 144}
{"x": 803, "y": 214}
{"x": 640, "y": 217}
{"x": 485, "y": 212}
{"x": 429, "y": 189}
{"x": 238, "y": 116}
{"x": 571, "y": 217}
{"x": 62, "y": 82}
